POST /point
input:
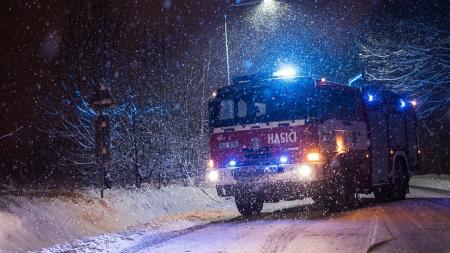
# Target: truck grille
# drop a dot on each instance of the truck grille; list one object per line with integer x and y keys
{"x": 258, "y": 156}
{"x": 254, "y": 172}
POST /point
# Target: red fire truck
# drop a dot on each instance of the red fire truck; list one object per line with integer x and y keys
{"x": 286, "y": 137}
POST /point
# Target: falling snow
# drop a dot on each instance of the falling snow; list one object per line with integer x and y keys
{"x": 117, "y": 123}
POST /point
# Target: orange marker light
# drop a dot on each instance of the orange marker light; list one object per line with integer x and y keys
{"x": 210, "y": 163}
{"x": 313, "y": 156}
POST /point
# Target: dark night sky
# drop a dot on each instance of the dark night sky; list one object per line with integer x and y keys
{"x": 25, "y": 27}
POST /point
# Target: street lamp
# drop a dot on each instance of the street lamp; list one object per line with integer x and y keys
{"x": 267, "y": 2}
{"x": 225, "y": 14}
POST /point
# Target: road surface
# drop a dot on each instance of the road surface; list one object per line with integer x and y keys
{"x": 421, "y": 223}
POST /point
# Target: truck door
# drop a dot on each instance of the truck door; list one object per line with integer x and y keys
{"x": 411, "y": 130}
{"x": 397, "y": 131}
{"x": 379, "y": 144}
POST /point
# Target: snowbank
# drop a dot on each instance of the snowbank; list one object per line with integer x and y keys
{"x": 30, "y": 223}
{"x": 441, "y": 182}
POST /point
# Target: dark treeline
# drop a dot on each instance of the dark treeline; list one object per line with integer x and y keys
{"x": 159, "y": 128}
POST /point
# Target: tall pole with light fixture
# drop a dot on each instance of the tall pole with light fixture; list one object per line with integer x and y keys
{"x": 226, "y": 46}
{"x": 225, "y": 15}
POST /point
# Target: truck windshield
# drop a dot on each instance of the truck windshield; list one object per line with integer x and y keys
{"x": 279, "y": 103}
{"x": 257, "y": 106}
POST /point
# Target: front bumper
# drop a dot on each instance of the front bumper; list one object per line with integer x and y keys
{"x": 275, "y": 191}
{"x": 274, "y": 177}
{"x": 271, "y": 173}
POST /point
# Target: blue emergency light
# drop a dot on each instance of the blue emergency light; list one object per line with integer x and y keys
{"x": 283, "y": 159}
{"x": 402, "y": 103}
{"x": 286, "y": 72}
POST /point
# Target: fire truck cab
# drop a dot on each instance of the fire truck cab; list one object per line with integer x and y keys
{"x": 275, "y": 138}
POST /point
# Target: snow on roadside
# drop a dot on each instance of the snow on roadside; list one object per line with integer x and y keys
{"x": 157, "y": 230}
{"x": 434, "y": 181}
{"x": 30, "y": 223}
{"x": 35, "y": 222}
{"x": 133, "y": 238}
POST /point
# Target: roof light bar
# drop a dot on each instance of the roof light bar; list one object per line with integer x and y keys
{"x": 286, "y": 72}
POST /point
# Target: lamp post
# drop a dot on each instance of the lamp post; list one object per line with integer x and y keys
{"x": 225, "y": 15}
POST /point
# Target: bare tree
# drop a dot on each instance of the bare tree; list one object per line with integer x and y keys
{"x": 159, "y": 128}
{"x": 414, "y": 60}
{"x": 90, "y": 53}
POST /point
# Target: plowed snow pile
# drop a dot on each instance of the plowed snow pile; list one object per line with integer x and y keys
{"x": 58, "y": 223}
{"x": 30, "y": 223}
{"x": 441, "y": 182}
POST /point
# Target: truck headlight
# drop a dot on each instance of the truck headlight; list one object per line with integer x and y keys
{"x": 304, "y": 170}
{"x": 213, "y": 175}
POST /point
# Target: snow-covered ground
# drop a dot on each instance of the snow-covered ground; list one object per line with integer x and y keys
{"x": 132, "y": 220}
{"x": 30, "y": 223}
{"x": 418, "y": 224}
{"x": 161, "y": 229}
{"x": 441, "y": 182}
{"x": 139, "y": 236}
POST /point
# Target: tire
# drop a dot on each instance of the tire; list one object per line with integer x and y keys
{"x": 396, "y": 191}
{"x": 345, "y": 194}
{"x": 383, "y": 193}
{"x": 341, "y": 192}
{"x": 401, "y": 182}
{"x": 321, "y": 200}
{"x": 248, "y": 203}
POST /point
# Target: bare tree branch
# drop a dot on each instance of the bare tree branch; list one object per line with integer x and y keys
{"x": 11, "y": 133}
{"x": 415, "y": 63}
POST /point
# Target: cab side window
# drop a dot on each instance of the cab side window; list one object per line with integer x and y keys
{"x": 226, "y": 110}
{"x": 334, "y": 103}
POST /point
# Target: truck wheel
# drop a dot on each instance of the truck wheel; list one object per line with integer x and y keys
{"x": 341, "y": 195}
{"x": 401, "y": 183}
{"x": 383, "y": 193}
{"x": 396, "y": 191}
{"x": 344, "y": 197}
{"x": 248, "y": 203}
{"x": 321, "y": 200}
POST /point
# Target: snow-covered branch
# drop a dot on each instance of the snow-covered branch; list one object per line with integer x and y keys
{"x": 11, "y": 133}
{"x": 415, "y": 63}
